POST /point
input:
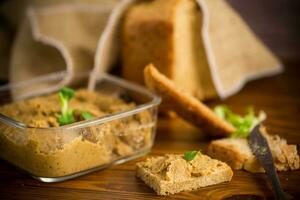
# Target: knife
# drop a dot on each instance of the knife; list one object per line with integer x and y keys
{"x": 260, "y": 148}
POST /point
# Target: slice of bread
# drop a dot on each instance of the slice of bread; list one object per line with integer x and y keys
{"x": 237, "y": 153}
{"x": 167, "y": 34}
{"x": 184, "y": 104}
{"x": 171, "y": 174}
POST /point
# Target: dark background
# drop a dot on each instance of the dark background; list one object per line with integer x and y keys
{"x": 276, "y": 22}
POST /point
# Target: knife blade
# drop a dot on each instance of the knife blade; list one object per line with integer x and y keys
{"x": 260, "y": 148}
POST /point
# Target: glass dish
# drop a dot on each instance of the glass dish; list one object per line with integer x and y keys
{"x": 60, "y": 153}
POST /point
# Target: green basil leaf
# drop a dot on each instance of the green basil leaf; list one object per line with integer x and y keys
{"x": 86, "y": 115}
{"x": 221, "y": 111}
{"x": 67, "y": 118}
{"x": 65, "y": 95}
{"x": 243, "y": 124}
{"x": 190, "y": 155}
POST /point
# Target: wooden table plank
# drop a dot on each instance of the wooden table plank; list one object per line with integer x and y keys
{"x": 279, "y": 96}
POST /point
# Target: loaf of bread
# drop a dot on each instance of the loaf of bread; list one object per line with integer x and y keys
{"x": 204, "y": 46}
{"x": 171, "y": 174}
{"x": 167, "y": 34}
{"x": 237, "y": 153}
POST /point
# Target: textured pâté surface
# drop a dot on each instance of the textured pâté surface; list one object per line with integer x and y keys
{"x": 171, "y": 173}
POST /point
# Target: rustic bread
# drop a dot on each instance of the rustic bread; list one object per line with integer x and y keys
{"x": 170, "y": 174}
{"x": 237, "y": 153}
{"x": 185, "y": 105}
{"x": 166, "y": 33}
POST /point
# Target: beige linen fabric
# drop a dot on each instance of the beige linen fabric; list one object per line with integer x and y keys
{"x": 54, "y": 38}
{"x": 77, "y": 36}
{"x": 235, "y": 55}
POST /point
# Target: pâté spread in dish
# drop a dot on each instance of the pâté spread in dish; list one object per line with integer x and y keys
{"x": 47, "y": 149}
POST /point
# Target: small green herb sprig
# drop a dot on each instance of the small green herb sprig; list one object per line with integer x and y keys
{"x": 65, "y": 95}
{"x": 86, "y": 115}
{"x": 67, "y": 114}
{"x": 243, "y": 124}
{"x": 190, "y": 155}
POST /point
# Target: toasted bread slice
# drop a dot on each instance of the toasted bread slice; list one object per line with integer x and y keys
{"x": 184, "y": 104}
{"x": 237, "y": 153}
{"x": 170, "y": 174}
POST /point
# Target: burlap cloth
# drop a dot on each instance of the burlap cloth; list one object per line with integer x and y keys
{"x": 77, "y": 36}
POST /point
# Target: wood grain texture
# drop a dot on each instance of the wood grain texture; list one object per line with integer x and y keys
{"x": 279, "y": 96}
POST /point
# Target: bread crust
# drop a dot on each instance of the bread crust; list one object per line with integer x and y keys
{"x": 185, "y": 105}
{"x": 237, "y": 153}
{"x": 225, "y": 154}
{"x": 148, "y": 37}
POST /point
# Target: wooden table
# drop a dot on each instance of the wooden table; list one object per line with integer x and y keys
{"x": 279, "y": 96}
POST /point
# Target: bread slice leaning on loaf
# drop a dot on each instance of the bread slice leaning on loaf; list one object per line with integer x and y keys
{"x": 185, "y": 105}
{"x": 167, "y": 34}
{"x": 237, "y": 153}
{"x": 171, "y": 174}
